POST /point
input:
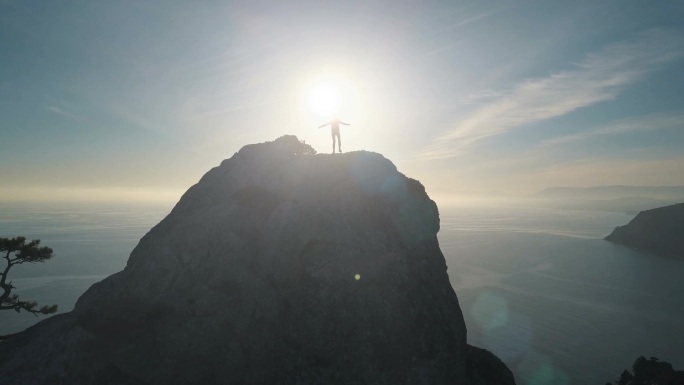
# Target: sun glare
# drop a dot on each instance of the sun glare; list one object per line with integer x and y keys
{"x": 329, "y": 95}
{"x": 325, "y": 99}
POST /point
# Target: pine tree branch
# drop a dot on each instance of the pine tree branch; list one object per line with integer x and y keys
{"x": 17, "y": 251}
{"x": 13, "y": 303}
{"x": 7, "y": 288}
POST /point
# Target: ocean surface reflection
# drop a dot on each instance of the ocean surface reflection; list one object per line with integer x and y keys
{"x": 540, "y": 289}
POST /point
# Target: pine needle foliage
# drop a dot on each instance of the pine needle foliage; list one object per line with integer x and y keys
{"x": 17, "y": 251}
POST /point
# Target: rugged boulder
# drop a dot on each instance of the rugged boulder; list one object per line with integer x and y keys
{"x": 660, "y": 231}
{"x": 278, "y": 267}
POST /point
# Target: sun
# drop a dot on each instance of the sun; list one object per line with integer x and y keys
{"x": 329, "y": 95}
{"x": 325, "y": 99}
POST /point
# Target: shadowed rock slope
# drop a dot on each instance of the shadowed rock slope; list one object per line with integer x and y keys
{"x": 276, "y": 268}
{"x": 660, "y": 231}
{"x": 650, "y": 371}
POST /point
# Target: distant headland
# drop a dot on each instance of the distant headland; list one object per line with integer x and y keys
{"x": 660, "y": 231}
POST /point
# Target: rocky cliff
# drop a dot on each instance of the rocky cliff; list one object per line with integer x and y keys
{"x": 278, "y": 267}
{"x": 660, "y": 231}
{"x": 650, "y": 371}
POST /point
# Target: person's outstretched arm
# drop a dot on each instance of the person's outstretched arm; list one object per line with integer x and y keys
{"x": 346, "y": 124}
{"x": 324, "y": 125}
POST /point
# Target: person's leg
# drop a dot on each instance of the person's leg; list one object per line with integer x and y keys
{"x": 339, "y": 144}
{"x": 332, "y": 134}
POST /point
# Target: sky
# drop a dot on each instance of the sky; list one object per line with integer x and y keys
{"x": 136, "y": 100}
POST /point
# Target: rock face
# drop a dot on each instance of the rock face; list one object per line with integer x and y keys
{"x": 650, "y": 372}
{"x": 278, "y": 267}
{"x": 660, "y": 231}
{"x": 485, "y": 368}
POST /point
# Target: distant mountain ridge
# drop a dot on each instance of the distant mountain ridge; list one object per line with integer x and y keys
{"x": 627, "y": 199}
{"x": 613, "y": 192}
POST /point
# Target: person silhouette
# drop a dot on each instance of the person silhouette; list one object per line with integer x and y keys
{"x": 335, "y": 132}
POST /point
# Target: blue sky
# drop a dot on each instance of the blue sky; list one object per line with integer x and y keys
{"x": 138, "y": 99}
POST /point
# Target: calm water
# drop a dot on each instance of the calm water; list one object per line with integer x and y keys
{"x": 557, "y": 304}
{"x": 537, "y": 286}
{"x": 90, "y": 242}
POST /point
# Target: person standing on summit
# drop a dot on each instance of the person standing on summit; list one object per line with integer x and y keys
{"x": 335, "y": 131}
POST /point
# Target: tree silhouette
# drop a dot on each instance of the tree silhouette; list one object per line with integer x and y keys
{"x": 304, "y": 149}
{"x": 290, "y": 143}
{"x": 17, "y": 251}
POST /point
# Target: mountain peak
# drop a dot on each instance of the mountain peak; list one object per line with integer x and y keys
{"x": 279, "y": 266}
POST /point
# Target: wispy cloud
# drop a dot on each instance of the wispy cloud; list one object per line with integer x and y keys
{"x": 482, "y": 95}
{"x": 451, "y": 27}
{"x": 529, "y": 177}
{"x": 64, "y": 113}
{"x": 134, "y": 119}
{"x": 472, "y": 19}
{"x": 218, "y": 112}
{"x": 625, "y": 171}
{"x": 442, "y": 49}
{"x": 646, "y": 123}
{"x": 598, "y": 77}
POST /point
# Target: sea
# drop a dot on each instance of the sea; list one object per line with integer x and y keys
{"x": 537, "y": 286}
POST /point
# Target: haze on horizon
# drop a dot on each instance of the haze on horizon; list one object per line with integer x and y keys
{"x": 136, "y": 101}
